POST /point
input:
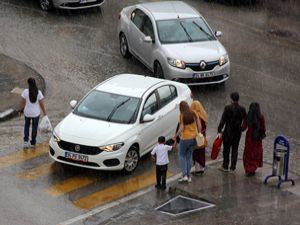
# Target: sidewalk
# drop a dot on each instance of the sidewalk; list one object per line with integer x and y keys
{"x": 13, "y": 79}
{"x": 237, "y": 199}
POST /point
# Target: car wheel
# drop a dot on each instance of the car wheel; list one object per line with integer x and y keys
{"x": 131, "y": 160}
{"x": 124, "y": 46}
{"x": 158, "y": 71}
{"x": 46, "y": 5}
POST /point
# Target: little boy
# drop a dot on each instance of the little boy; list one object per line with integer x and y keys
{"x": 160, "y": 152}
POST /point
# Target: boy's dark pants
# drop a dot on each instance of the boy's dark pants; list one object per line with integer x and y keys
{"x": 161, "y": 175}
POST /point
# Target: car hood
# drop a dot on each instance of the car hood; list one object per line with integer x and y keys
{"x": 91, "y": 132}
{"x": 196, "y": 51}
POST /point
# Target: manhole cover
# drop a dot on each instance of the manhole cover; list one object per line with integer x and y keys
{"x": 180, "y": 205}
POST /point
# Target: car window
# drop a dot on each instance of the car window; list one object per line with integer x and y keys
{"x": 137, "y": 17}
{"x": 166, "y": 94}
{"x": 151, "y": 105}
{"x": 109, "y": 107}
{"x": 148, "y": 27}
{"x": 183, "y": 30}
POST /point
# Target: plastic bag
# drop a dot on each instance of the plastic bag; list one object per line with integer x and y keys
{"x": 216, "y": 147}
{"x": 45, "y": 125}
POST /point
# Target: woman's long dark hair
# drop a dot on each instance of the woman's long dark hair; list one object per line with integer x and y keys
{"x": 188, "y": 114}
{"x": 33, "y": 90}
{"x": 253, "y": 116}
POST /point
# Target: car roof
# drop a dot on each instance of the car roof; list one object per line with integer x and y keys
{"x": 129, "y": 84}
{"x": 169, "y": 10}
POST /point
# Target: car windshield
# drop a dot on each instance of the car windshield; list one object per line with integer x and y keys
{"x": 109, "y": 107}
{"x": 183, "y": 30}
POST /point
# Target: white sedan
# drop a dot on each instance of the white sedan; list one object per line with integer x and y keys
{"x": 118, "y": 122}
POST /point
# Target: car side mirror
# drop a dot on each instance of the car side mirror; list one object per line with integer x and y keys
{"x": 148, "y": 118}
{"x": 73, "y": 103}
{"x": 148, "y": 39}
{"x": 218, "y": 33}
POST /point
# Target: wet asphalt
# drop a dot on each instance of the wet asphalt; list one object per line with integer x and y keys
{"x": 74, "y": 51}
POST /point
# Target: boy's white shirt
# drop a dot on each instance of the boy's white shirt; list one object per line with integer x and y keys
{"x": 161, "y": 152}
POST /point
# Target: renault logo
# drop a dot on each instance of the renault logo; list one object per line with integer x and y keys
{"x": 77, "y": 148}
{"x": 202, "y": 64}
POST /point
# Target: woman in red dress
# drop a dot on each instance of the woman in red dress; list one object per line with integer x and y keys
{"x": 253, "y": 152}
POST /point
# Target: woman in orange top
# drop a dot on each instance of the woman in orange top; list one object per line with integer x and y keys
{"x": 199, "y": 153}
{"x": 188, "y": 124}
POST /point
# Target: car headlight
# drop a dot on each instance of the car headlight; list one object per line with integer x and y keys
{"x": 55, "y": 137}
{"x": 223, "y": 59}
{"x": 176, "y": 63}
{"x": 112, "y": 147}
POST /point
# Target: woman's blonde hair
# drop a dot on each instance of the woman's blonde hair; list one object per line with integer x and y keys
{"x": 198, "y": 108}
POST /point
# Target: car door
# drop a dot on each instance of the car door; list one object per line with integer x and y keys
{"x": 147, "y": 47}
{"x": 169, "y": 109}
{"x": 150, "y": 131}
{"x": 135, "y": 34}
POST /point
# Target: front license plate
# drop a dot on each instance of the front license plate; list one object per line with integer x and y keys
{"x": 203, "y": 75}
{"x": 76, "y": 157}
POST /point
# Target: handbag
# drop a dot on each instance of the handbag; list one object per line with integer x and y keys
{"x": 201, "y": 140}
{"x": 216, "y": 147}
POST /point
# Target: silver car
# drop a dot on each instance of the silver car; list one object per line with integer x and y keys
{"x": 174, "y": 41}
{"x": 47, "y": 5}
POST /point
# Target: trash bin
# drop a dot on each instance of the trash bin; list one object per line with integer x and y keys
{"x": 281, "y": 154}
{"x": 279, "y": 162}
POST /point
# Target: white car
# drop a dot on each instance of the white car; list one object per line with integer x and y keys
{"x": 174, "y": 41}
{"x": 47, "y": 5}
{"x": 118, "y": 122}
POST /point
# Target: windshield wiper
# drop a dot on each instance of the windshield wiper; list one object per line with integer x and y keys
{"x": 205, "y": 32}
{"x": 187, "y": 34}
{"x": 115, "y": 109}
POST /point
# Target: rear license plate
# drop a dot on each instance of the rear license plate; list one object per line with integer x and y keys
{"x": 203, "y": 75}
{"x": 83, "y": 1}
{"x": 76, "y": 157}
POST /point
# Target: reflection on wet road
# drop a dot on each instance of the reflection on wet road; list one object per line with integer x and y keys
{"x": 66, "y": 185}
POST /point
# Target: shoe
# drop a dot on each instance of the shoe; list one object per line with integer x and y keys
{"x": 26, "y": 144}
{"x": 163, "y": 187}
{"x": 189, "y": 179}
{"x": 250, "y": 174}
{"x": 183, "y": 179}
{"x": 157, "y": 186}
{"x": 231, "y": 171}
{"x": 221, "y": 168}
{"x": 197, "y": 173}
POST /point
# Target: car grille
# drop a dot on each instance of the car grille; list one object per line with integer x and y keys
{"x": 78, "y": 4}
{"x": 78, "y": 162}
{"x": 196, "y": 66}
{"x": 82, "y": 149}
{"x": 202, "y": 80}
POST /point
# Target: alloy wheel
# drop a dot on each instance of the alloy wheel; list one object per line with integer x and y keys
{"x": 131, "y": 160}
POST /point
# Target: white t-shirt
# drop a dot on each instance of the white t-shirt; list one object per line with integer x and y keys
{"x": 161, "y": 152}
{"x": 32, "y": 109}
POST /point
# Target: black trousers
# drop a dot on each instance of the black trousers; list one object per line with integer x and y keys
{"x": 232, "y": 144}
{"x": 161, "y": 175}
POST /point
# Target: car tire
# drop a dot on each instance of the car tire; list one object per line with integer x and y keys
{"x": 131, "y": 160}
{"x": 46, "y": 5}
{"x": 158, "y": 71}
{"x": 124, "y": 50}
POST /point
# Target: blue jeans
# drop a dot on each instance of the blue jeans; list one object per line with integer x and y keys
{"x": 35, "y": 123}
{"x": 186, "y": 148}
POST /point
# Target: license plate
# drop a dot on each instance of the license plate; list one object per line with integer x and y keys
{"x": 203, "y": 75}
{"x": 76, "y": 157}
{"x": 83, "y": 1}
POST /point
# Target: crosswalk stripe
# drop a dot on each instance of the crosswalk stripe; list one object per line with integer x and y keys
{"x": 37, "y": 172}
{"x": 23, "y": 155}
{"x": 117, "y": 191}
{"x": 69, "y": 185}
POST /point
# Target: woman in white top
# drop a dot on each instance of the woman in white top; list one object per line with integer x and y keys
{"x": 31, "y": 104}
